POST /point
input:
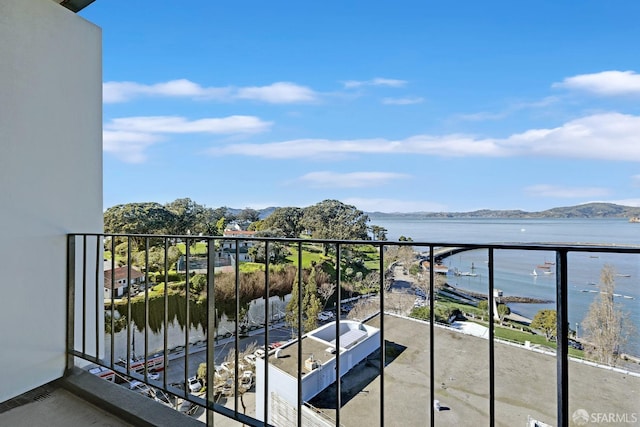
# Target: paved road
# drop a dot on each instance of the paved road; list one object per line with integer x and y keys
{"x": 198, "y": 354}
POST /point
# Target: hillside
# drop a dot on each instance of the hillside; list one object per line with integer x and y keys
{"x": 588, "y": 210}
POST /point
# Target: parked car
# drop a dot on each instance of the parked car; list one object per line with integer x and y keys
{"x": 194, "y": 384}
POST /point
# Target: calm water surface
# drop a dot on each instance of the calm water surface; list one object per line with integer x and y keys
{"x": 514, "y": 269}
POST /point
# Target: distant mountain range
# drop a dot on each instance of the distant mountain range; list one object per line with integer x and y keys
{"x": 588, "y": 210}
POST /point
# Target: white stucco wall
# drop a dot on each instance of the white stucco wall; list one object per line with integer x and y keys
{"x": 50, "y": 178}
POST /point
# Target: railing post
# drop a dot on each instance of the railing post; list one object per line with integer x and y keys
{"x": 432, "y": 366}
{"x": 71, "y": 300}
{"x": 562, "y": 339}
{"x": 211, "y": 329}
{"x": 492, "y": 373}
{"x": 382, "y": 344}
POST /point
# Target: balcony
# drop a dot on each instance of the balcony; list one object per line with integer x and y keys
{"x": 456, "y": 371}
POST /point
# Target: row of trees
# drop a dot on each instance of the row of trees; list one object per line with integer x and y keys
{"x": 329, "y": 219}
{"x": 182, "y": 216}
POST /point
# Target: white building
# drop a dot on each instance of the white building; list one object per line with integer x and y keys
{"x": 356, "y": 341}
{"x": 229, "y": 245}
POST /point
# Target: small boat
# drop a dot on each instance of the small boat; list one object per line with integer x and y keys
{"x": 544, "y": 266}
{"x": 623, "y": 275}
{"x": 548, "y": 272}
{"x": 628, "y": 297}
{"x": 634, "y": 219}
{"x": 535, "y": 273}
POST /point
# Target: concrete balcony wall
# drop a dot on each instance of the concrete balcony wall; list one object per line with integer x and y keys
{"x": 50, "y": 178}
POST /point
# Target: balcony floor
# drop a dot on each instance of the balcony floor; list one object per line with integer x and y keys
{"x": 53, "y": 406}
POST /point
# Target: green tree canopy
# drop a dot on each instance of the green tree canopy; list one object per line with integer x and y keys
{"x": 248, "y": 215}
{"x": 332, "y": 219}
{"x": 186, "y": 215}
{"x": 138, "y": 218}
{"x": 545, "y": 321}
{"x": 286, "y": 219}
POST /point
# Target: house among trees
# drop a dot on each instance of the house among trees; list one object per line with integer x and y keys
{"x": 229, "y": 246}
{"x": 119, "y": 280}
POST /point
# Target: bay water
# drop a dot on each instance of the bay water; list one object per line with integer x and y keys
{"x": 514, "y": 270}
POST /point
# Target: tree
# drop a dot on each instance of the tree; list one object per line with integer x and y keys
{"x": 287, "y": 219}
{"x": 326, "y": 291}
{"x": 545, "y": 321}
{"x": 186, "y": 213}
{"x": 221, "y": 224}
{"x": 248, "y": 215}
{"x": 311, "y": 302}
{"x": 503, "y": 311}
{"x": 156, "y": 257}
{"x": 292, "y": 309}
{"x": 379, "y": 233}
{"x": 606, "y": 327}
{"x": 332, "y": 219}
{"x": 311, "y": 306}
{"x": 138, "y": 218}
{"x": 277, "y": 251}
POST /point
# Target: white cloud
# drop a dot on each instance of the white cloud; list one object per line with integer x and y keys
{"x": 276, "y": 93}
{"x": 449, "y": 145}
{"x": 350, "y": 180}
{"x": 128, "y": 138}
{"x": 509, "y": 110}
{"x": 378, "y": 81}
{"x": 607, "y": 136}
{"x": 174, "y": 124}
{"x": 403, "y": 101}
{"x": 393, "y": 205}
{"x": 605, "y": 83}
{"x": 129, "y": 147}
{"x": 113, "y": 92}
{"x": 546, "y": 190}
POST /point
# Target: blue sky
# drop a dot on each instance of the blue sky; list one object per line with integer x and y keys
{"x": 390, "y": 106}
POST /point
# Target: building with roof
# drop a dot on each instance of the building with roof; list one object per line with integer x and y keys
{"x": 354, "y": 342}
{"x": 229, "y": 245}
{"x": 119, "y": 280}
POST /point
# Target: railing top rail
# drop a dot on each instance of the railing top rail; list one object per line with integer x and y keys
{"x": 548, "y": 246}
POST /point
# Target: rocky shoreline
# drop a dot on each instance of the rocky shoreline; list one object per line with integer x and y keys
{"x": 504, "y": 299}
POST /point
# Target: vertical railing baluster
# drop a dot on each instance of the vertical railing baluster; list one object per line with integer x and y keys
{"x": 113, "y": 305}
{"x": 338, "y": 385}
{"x": 146, "y": 308}
{"x": 236, "y": 335}
{"x": 165, "y": 319}
{"x": 432, "y": 368}
{"x": 71, "y": 301}
{"x": 491, "y": 299}
{"x": 84, "y": 294}
{"x": 383, "y": 347}
{"x": 97, "y": 290}
{"x": 129, "y": 319}
{"x": 211, "y": 329}
{"x": 187, "y": 320}
{"x": 562, "y": 339}
{"x": 299, "y": 320}
{"x": 266, "y": 330}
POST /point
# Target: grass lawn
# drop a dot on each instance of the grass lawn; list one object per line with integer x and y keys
{"x": 200, "y": 248}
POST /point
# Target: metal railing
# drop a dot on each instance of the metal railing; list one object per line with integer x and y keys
{"x": 96, "y": 307}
